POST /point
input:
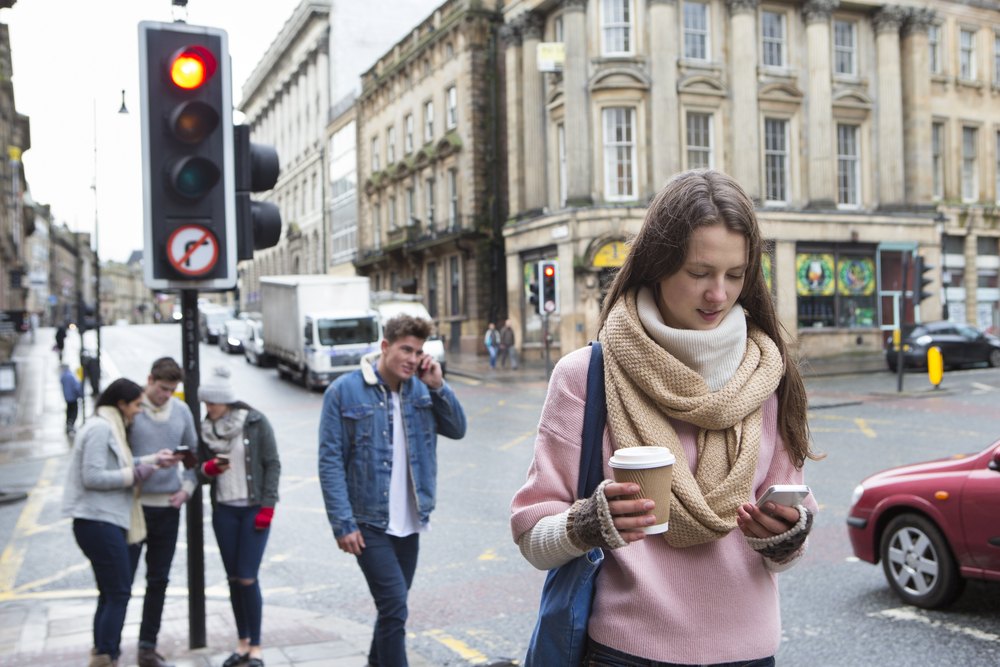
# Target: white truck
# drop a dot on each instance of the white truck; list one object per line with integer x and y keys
{"x": 318, "y": 327}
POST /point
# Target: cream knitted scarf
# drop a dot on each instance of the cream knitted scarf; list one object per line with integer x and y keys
{"x": 646, "y": 385}
{"x": 137, "y": 519}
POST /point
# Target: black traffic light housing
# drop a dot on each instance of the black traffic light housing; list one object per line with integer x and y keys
{"x": 258, "y": 223}
{"x": 189, "y": 197}
{"x": 920, "y": 280}
{"x": 548, "y": 281}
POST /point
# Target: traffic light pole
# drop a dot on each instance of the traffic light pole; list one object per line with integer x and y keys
{"x": 902, "y": 322}
{"x": 195, "y": 510}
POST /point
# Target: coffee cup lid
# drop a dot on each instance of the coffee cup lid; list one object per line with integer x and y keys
{"x": 637, "y": 458}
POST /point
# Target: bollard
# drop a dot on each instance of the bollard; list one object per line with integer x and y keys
{"x": 935, "y": 366}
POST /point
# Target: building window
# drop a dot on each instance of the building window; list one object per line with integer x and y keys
{"x": 374, "y": 154}
{"x": 408, "y": 136}
{"x": 394, "y": 281}
{"x": 343, "y": 162}
{"x": 934, "y": 44}
{"x": 427, "y": 67}
{"x": 428, "y": 122}
{"x": 937, "y": 158}
{"x": 456, "y": 284}
{"x": 836, "y": 286}
{"x": 997, "y": 154}
{"x": 772, "y": 25}
{"x": 996, "y": 59}
{"x": 378, "y": 282}
{"x": 559, "y": 29}
{"x": 392, "y": 212}
{"x": 970, "y": 183}
{"x": 619, "y": 154}
{"x": 376, "y": 225}
{"x": 391, "y": 146}
{"x": 616, "y": 27}
{"x": 452, "y": 117}
{"x": 699, "y": 140}
{"x": 562, "y": 166}
{"x": 452, "y": 198}
{"x": 449, "y": 50}
{"x": 848, "y": 166}
{"x": 410, "y": 210}
{"x": 776, "y": 159}
{"x": 845, "y": 47}
{"x": 696, "y": 44}
{"x": 430, "y": 204}
{"x": 967, "y": 54}
{"x": 432, "y": 289}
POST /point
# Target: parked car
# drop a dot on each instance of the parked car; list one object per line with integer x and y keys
{"x": 212, "y": 321}
{"x": 253, "y": 344}
{"x": 931, "y": 525}
{"x": 960, "y": 344}
{"x": 231, "y": 340}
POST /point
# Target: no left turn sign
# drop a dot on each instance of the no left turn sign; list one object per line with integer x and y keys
{"x": 192, "y": 250}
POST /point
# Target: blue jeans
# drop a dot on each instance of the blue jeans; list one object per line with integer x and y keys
{"x": 106, "y": 547}
{"x": 388, "y": 564}
{"x": 493, "y": 355}
{"x": 241, "y": 546}
{"x": 599, "y": 655}
{"x": 161, "y": 542}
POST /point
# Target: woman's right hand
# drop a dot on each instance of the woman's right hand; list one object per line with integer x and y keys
{"x": 629, "y": 526}
{"x": 214, "y": 467}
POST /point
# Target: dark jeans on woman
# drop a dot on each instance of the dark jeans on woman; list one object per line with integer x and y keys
{"x": 106, "y": 546}
{"x": 388, "y": 564}
{"x": 161, "y": 542}
{"x": 599, "y": 655}
{"x": 241, "y": 546}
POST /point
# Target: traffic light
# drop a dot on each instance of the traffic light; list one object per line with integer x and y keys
{"x": 548, "y": 281}
{"x": 189, "y": 198}
{"x": 258, "y": 223}
{"x": 920, "y": 281}
{"x": 533, "y": 290}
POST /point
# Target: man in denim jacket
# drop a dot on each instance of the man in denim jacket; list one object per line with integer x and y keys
{"x": 378, "y": 468}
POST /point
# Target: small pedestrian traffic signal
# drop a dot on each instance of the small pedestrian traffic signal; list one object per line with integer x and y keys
{"x": 548, "y": 287}
{"x": 920, "y": 281}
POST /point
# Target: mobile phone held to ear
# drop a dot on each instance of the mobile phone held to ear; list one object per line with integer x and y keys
{"x": 789, "y": 495}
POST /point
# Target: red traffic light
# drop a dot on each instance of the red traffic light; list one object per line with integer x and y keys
{"x": 192, "y": 66}
{"x": 550, "y": 271}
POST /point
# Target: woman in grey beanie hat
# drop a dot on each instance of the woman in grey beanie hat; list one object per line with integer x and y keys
{"x": 241, "y": 462}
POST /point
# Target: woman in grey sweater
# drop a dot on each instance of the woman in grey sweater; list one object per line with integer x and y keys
{"x": 101, "y": 496}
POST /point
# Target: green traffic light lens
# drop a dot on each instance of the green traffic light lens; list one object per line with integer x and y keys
{"x": 192, "y": 177}
{"x": 193, "y": 121}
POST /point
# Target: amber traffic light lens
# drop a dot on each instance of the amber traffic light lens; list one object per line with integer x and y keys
{"x": 188, "y": 71}
{"x": 193, "y": 121}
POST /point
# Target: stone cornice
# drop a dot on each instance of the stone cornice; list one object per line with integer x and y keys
{"x": 888, "y": 19}
{"x": 742, "y": 6}
{"x": 510, "y": 33}
{"x": 574, "y": 5}
{"x": 661, "y": 2}
{"x": 819, "y": 11}
{"x": 918, "y": 20}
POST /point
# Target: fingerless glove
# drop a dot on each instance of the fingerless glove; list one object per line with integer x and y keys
{"x": 590, "y": 523}
{"x": 142, "y": 472}
{"x": 264, "y": 517}
{"x": 781, "y": 547}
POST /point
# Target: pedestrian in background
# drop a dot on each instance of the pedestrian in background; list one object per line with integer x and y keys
{"x": 60, "y": 339}
{"x": 395, "y": 405}
{"x": 492, "y": 342}
{"x": 165, "y": 422}
{"x": 101, "y": 495}
{"x": 241, "y": 463}
{"x": 507, "y": 348}
{"x": 72, "y": 392}
{"x": 693, "y": 360}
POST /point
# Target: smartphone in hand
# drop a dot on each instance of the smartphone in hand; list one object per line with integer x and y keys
{"x": 223, "y": 459}
{"x": 789, "y": 495}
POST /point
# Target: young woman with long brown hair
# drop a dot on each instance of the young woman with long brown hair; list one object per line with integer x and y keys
{"x": 694, "y": 361}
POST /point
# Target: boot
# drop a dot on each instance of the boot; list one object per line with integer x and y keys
{"x": 101, "y": 660}
{"x": 148, "y": 657}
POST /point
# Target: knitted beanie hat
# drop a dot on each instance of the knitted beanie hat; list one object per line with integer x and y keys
{"x": 217, "y": 388}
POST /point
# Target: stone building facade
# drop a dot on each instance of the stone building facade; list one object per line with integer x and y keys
{"x": 71, "y": 273}
{"x": 824, "y": 111}
{"x": 342, "y": 188}
{"x": 430, "y": 170}
{"x": 124, "y": 295}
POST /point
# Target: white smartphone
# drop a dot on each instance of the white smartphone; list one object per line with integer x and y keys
{"x": 784, "y": 494}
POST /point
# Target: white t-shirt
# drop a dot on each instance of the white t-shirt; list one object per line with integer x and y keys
{"x": 403, "y": 517}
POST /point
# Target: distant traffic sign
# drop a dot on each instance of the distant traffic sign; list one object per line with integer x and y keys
{"x": 193, "y": 250}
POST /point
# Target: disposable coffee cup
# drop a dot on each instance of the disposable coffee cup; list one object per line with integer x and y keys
{"x": 652, "y": 468}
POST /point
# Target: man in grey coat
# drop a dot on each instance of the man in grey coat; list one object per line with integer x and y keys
{"x": 164, "y": 423}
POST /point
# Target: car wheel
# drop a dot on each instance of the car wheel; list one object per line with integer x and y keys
{"x": 994, "y": 358}
{"x": 918, "y": 562}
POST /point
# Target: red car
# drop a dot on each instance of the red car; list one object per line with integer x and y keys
{"x": 932, "y": 525}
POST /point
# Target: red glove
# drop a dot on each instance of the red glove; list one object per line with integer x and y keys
{"x": 211, "y": 468}
{"x": 263, "y": 520}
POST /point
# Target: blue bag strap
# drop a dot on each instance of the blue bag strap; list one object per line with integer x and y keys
{"x": 594, "y": 419}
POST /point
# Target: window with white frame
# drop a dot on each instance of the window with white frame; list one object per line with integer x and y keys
{"x": 391, "y": 145}
{"x": 696, "y": 33}
{"x": 392, "y": 212}
{"x": 967, "y": 54}
{"x": 772, "y": 28}
{"x": 845, "y": 47}
{"x": 616, "y": 28}
{"x": 619, "y": 154}
{"x": 563, "y": 188}
{"x": 376, "y": 225}
{"x": 934, "y": 46}
{"x": 699, "y": 141}
{"x": 937, "y": 159}
{"x": 452, "y": 116}
{"x": 848, "y": 166}
{"x": 410, "y": 210}
{"x": 776, "y": 159}
{"x": 429, "y": 201}
{"x": 374, "y": 154}
{"x": 996, "y": 59}
{"x": 970, "y": 182}
{"x": 428, "y": 122}
{"x": 408, "y": 134}
{"x": 452, "y": 198}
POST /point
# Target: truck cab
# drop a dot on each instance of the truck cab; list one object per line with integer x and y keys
{"x": 335, "y": 341}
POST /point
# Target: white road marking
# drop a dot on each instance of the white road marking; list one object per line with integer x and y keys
{"x": 913, "y": 614}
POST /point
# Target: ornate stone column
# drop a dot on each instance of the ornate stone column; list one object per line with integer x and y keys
{"x": 511, "y": 35}
{"x": 887, "y": 21}
{"x": 916, "y": 79}
{"x": 743, "y": 85}
{"x": 576, "y": 104}
{"x": 663, "y": 96}
{"x": 822, "y": 175}
{"x": 533, "y": 97}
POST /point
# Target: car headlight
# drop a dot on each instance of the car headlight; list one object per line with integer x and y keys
{"x": 233, "y": 341}
{"x": 924, "y": 341}
{"x": 859, "y": 491}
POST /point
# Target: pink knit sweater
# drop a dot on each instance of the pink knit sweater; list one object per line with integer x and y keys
{"x": 705, "y": 604}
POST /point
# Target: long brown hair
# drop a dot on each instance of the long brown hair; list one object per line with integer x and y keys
{"x": 695, "y": 199}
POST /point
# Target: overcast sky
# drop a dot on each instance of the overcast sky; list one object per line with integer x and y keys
{"x": 69, "y": 53}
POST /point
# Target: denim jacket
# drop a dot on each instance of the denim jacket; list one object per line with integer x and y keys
{"x": 355, "y": 445}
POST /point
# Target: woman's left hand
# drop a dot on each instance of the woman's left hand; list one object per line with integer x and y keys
{"x": 165, "y": 458}
{"x": 755, "y": 522}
